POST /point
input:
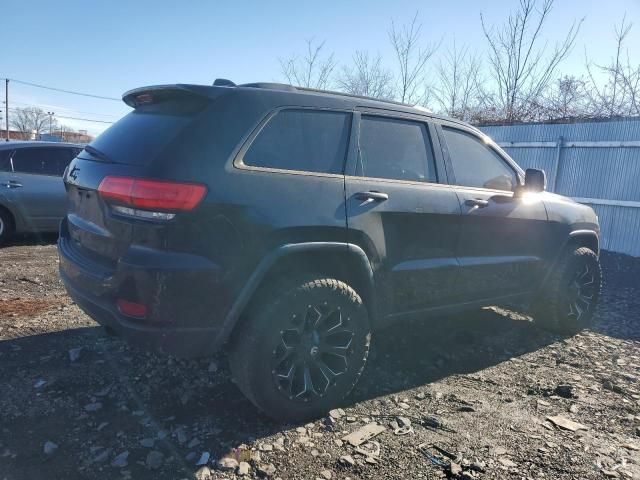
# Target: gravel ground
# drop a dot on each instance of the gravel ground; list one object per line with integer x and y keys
{"x": 479, "y": 395}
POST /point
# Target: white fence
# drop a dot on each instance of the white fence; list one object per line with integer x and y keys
{"x": 597, "y": 163}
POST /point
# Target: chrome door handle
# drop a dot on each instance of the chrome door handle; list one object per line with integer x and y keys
{"x": 372, "y": 195}
{"x": 476, "y": 202}
{"x": 13, "y": 184}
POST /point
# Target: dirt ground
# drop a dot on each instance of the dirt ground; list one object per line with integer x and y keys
{"x": 478, "y": 395}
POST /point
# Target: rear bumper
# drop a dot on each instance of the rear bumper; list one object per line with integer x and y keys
{"x": 185, "y": 299}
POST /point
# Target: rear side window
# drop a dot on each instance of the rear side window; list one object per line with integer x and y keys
{"x": 42, "y": 161}
{"x": 5, "y": 160}
{"x": 395, "y": 149}
{"x": 304, "y": 140}
{"x": 476, "y": 164}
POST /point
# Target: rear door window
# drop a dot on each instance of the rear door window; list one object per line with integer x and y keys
{"x": 41, "y": 160}
{"x": 395, "y": 149}
{"x": 5, "y": 160}
{"x": 303, "y": 140}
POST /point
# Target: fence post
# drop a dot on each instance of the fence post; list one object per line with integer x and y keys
{"x": 556, "y": 164}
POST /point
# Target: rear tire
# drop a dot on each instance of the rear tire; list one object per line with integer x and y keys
{"x": 6, "y": 226}
{"x": 569, "y": 298}
{"x": 301, "y": 348}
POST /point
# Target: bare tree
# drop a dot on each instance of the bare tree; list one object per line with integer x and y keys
{"x": 366, "y": 77}
{"x": 620, "y": 93}
{"x": 566, "y": 98}
{"x": 412, "y": 59}
{"x": 459, "y": 87}
{"x": 32, "y": 120}
{"x": 312, "y": 70}
{"x": 520, "y": 66}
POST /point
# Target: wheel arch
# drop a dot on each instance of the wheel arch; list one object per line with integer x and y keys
{"x": 11, "y": 214}
{"x": 342, "y": 261}
{"x": 575, "y": 239}
{"x": 584, "y": 238}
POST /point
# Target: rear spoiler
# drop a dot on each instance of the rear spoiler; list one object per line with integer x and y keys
{"x": 153, "y": 94}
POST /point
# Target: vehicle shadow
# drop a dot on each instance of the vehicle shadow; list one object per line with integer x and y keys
{"x": 28, "y": 239}
{"x": 145, "y": 395}
{"x": 416, "y": 353}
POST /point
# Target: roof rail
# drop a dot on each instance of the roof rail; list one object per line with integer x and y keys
{"x": 292, "y": 88}
{"x": 363, "y": 97}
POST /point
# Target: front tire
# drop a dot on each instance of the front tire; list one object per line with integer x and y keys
{"x": 569, "y": 298}
{"x": 301, "y": 348}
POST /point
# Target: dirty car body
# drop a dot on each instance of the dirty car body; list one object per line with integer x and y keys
{"x": 185, "y": 210}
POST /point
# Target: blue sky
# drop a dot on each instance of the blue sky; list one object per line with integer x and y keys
{"x": 108, "y": 47}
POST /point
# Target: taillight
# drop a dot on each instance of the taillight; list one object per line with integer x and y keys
{"x": 158, "y": 199}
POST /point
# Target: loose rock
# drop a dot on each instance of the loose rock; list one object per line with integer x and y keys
{"x": 74, "y": 354}
{"x": 266, "y": 470}
{"x": 326, "y": 474}
{"x": 567, "y": 424}
{"x": 204, "y": 473}
{"x": 204, "y": 458}
{"x": 336, "y": 413}
{"x": 227, "y": 464}
{"x": 50, "y": 447}
{"x": 120, "y": 460}
{"x": 243, "y": 469}
{"x": 363, "y": 434}
{"x": 147, "y": 442}
{"x": 507, "y": 463}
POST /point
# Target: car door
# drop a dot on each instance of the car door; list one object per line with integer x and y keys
{"x": 37, "y": 187}
{"x": 503, "y": 236}
{"x": 397, "y": 211}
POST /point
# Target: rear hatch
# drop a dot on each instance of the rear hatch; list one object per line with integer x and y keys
{"x": 119, "y": 186}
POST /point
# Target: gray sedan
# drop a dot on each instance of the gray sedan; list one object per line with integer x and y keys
{"x": 32, "y": 194}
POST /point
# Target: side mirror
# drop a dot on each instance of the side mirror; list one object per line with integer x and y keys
{"x": 535, "y": 180}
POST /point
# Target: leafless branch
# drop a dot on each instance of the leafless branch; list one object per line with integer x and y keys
{"x": 411, "y": 58}
{"x": 520, "y": 66}
{"x": 312, "y": 70}
{"x": 366, "y": 77}
{"x": 459, "y": 85}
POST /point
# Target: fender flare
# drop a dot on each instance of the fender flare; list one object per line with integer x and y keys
{"x": 584, "y": 233}
{"x": 272, "y": 258}
{"x": 17, "y": 218}
{"x": 573, "y": 234}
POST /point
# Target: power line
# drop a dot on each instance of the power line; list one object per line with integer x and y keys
{"x": 72, "y": 110}
{"x": 83, "y": 119}
{"x": 69, "y": 118}
{"x": 65, "y": 91}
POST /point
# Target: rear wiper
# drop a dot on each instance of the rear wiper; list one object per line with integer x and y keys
{"x": 97, "y": 153}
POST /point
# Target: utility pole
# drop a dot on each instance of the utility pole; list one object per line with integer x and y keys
{"x": 51, "y": 114}
{"x": 6, "y": 104}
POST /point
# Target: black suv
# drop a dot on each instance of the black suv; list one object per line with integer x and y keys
{"x": 288, "y": 224}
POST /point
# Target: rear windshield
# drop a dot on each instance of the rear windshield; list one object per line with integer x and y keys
{"x": 139, "y": 137}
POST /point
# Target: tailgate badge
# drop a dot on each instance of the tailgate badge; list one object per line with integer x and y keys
{"x": 74, "y": 173}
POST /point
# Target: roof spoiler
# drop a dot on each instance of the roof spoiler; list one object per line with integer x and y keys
{"x": 152, "y": 94}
